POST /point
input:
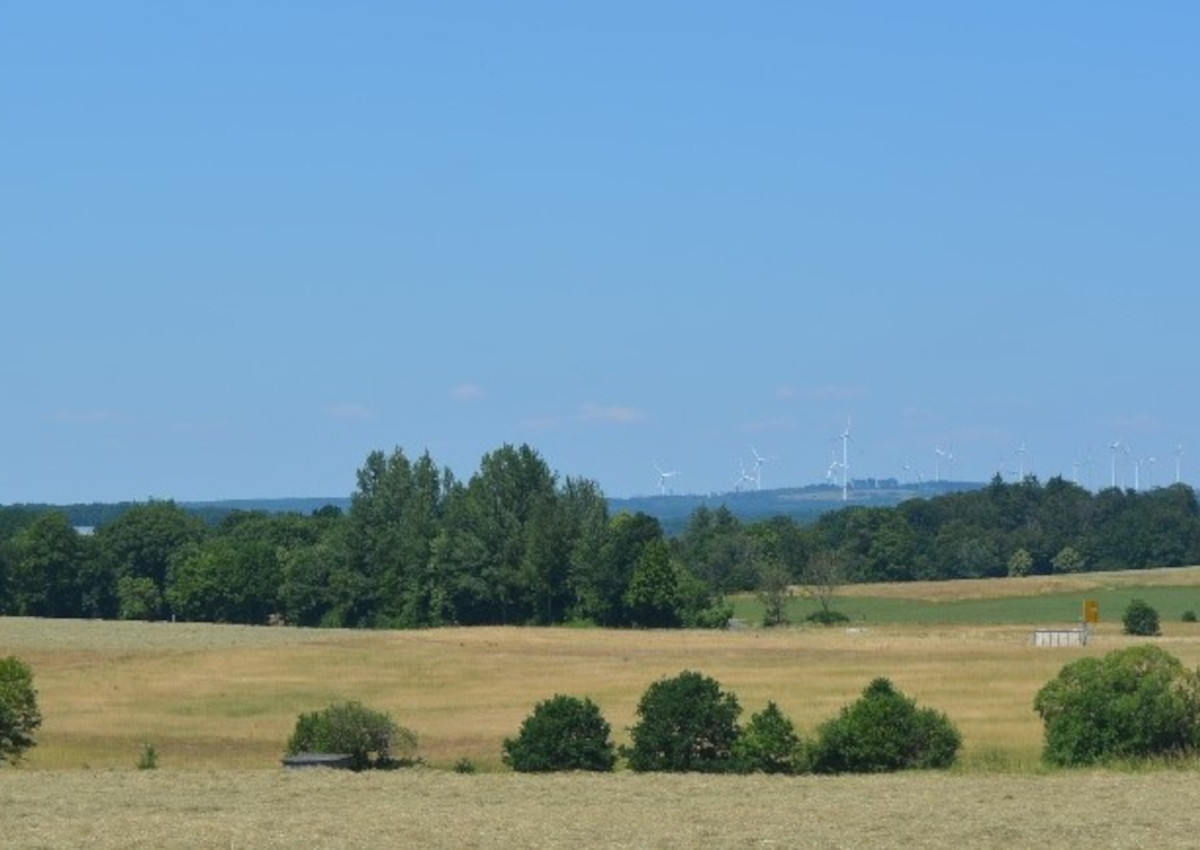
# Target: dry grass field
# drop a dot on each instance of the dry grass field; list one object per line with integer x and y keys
{"x": 256, "y": 810}
{"x": 218, "y": 703}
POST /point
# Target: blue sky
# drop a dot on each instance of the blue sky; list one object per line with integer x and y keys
{"x": 244, "y": 244}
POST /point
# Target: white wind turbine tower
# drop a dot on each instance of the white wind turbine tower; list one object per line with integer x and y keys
{"x": 1178, "y": 457}
{"x": 742, "y": 478}
{"x": 1115, "y": 447}
{"x": 938, "y": 454}
{"x": 663, "y": 478}
{"x": 831, "y": 472}
{"x": 846, "y": 461}
{"x": 759, "y": 460}
{"x": 1021, "y": 452}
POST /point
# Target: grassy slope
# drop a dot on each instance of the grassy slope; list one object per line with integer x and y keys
{"x": 218, "y": 698}
{"x": 1043, "y": 600}
{"x": 227, "y": 696}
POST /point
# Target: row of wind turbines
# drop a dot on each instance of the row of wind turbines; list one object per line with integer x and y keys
{"x": 943, "y": 456}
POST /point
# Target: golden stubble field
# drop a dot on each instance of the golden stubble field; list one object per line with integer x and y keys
{"x": 218, "y": 703}
{"x": 211, "y": 697}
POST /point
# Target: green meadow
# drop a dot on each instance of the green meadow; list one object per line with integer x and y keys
{"x": 1055, "y": 609}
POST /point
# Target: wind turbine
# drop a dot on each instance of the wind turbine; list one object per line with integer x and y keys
{"x": 742, "y": 478}
{"x": 846, "y": 461}
{"x": 831, "y": 472}
{"x": 1021, "y": 452}
{"x": 663, "y": 478}
{"x": 1115, "y": 447}
{"x": 938, "y": 454}
{"x": 1178, "y": 457}
{"x": 759, "y": 460}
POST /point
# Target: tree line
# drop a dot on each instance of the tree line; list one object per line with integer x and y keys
{"x": 1015, "y": 529}
{"x": 515, "y": 544}
{"x": 417, "y": 547}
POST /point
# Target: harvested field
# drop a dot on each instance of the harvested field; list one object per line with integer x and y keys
{"x": 212, "y": 697}
{"x": 218, "y": 703}
{"x": 422, "y": 808}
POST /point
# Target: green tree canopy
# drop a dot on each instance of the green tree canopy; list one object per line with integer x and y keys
{"x": 19, "y": 713}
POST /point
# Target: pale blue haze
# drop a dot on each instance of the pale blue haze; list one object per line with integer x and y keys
{"x": 243, "y": 244}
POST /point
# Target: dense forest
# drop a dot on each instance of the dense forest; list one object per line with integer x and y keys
{"x": 514, "y": 544}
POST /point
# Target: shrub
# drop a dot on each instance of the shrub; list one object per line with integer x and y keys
{"x": 148, "y": 760}
{"x": 1189, "y": 616}
{"x": 1020, "y": 564}
{"x": 686, "y": 723}
{"x": 465, "y": 765}
{"x": 716, "y": 616}
{"x": 885, "y": 731}
{"x": 827, "y": 617}
{"x": 769, "y": 744}
{"x": 1133, "y": 703}
{"x": 357, "y": 731}
{"x": 774, "y": 591}
{"x": 1068, "y": 560}
{"x": 1140, "y": 619}
{"x": 562, "y": 733}
{"x": 19, "y": 713}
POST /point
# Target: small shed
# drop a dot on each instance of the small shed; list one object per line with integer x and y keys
{"x": 303, "y": 761}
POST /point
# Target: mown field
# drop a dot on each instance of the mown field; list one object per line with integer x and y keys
{"x": 253, "y": 810}
{"x": 218, "y": 703}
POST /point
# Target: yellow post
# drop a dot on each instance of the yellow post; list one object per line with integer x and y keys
{"x": 1091, "y": 611}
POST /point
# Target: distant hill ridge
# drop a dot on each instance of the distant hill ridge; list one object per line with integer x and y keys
{"x": 804, "y": 504}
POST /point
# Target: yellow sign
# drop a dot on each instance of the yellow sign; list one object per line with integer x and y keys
{"x": 1091, "y": 611}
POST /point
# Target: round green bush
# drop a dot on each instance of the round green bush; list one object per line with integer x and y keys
{"x": 562, "y": 733}
{"x": 1140, "y": 619}
{"x": 827, "y": 617}
{"x": 769, "y": 744}
{"x": 686, "y": 723}
{"x": 1134, "y": 703}
{"x": 1189, "y": 616}
{"x": 371, "y": 738}
{"x": 884, "y": 731}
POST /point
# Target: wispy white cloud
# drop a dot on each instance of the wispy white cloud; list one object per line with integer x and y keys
{"x": 787, "y": 393}
{"x": 610, "y": 413}
{"x": 467, "y": 391}
{"x": 348, "y": 412}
